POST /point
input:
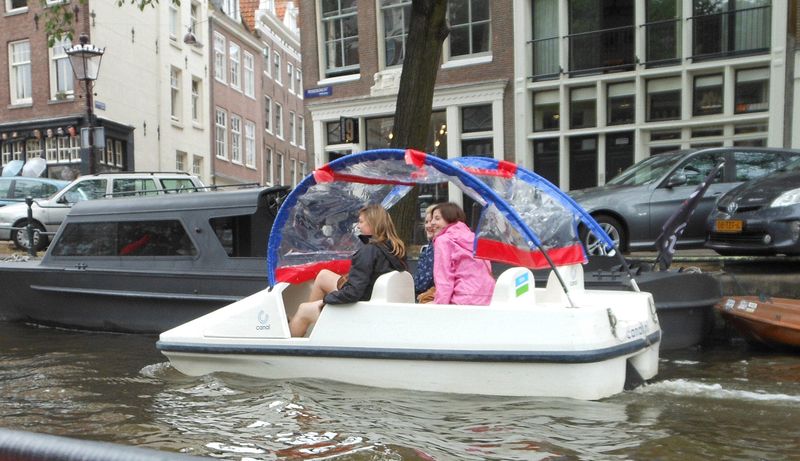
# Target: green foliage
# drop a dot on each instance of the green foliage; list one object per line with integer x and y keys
{"x": 60, "y": 18}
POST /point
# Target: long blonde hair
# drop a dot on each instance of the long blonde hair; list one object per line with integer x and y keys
{"x": 383, "y": 228}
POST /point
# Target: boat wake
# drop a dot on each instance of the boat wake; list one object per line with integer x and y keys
{"x": 687, "y": 388}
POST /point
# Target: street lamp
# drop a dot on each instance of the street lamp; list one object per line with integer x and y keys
{"x": 85, "y": 61}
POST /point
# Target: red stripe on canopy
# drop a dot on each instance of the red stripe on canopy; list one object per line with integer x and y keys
{"x": 534, "y": 259}
{"x": 415, "y": 157}
{"x": 304, "y": 272}
{"x": 364, "y": 180}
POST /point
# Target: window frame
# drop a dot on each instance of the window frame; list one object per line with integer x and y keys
{"x": 221, "y": 134}
{"x": 249, "y": 74}
{"x": 236, "y": 139}
{"x": 15, "y": 68}
{"x": 469, "y": 25}
{"x": 334, "y": 21}
{"x": 235, "y": 57}
{"x": 220, "y": 69}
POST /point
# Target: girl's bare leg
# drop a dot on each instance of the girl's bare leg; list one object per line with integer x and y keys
{"x": 307, "y": 313}
{"x": 323, "y": 284}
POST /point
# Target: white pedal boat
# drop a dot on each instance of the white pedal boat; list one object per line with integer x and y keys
{"x": 558, "y": 341}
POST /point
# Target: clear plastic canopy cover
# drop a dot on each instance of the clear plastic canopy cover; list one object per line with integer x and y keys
{"x": 522, "y": 213}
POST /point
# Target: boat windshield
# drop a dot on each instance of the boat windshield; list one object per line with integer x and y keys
{"x": 647, "y": 171}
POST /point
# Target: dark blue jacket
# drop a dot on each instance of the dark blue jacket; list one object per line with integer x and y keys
{"x": 368, "y": 263}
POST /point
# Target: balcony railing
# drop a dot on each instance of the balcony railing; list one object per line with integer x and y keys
{"x": 545, "y": 58}
{"x": 607, "y": 50}
{"x": 662, "y": 42}
{"x": 745, "y": 31}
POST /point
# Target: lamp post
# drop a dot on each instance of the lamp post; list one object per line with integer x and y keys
{"x": 85, "y": 61}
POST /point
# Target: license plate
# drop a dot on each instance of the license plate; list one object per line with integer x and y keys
{"x": 728, "y": 225}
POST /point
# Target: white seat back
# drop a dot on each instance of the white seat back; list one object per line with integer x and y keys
{"x": 393, "y": 287}
{"x": 514, "y": 287}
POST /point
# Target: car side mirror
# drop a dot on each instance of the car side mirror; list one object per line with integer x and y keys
{"x": 678, "y": 179}
{"x": 63, "y": 199}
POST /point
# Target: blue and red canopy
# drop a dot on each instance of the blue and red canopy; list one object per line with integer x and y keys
{"x": 523, "y": 215}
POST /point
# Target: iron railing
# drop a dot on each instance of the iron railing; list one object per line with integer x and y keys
{"x": 731, "y": 33}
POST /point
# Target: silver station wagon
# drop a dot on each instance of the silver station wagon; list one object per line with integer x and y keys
{"x": 633, "y": 206}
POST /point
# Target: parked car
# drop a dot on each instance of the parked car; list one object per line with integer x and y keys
{"x": 49, "y": 213}
{"x": 633, "y": 206}
{"x": 14, "y": 189}
{"x": 759, "y": 217}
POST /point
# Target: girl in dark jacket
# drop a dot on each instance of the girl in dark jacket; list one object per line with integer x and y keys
{"x": 383, "y": 252}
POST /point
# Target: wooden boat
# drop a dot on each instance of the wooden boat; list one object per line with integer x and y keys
{"x": 764, "y": 320}
{"x": 146, "y": 264}
{"x": 561, "y": 341}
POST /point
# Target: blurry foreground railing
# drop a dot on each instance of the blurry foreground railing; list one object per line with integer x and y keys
{"x": 28, "y": 446}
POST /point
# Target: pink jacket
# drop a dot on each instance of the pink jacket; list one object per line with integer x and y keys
{"x": 458, "y": 276}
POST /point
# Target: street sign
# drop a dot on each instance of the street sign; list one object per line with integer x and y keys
{"x": 317, "y": 92}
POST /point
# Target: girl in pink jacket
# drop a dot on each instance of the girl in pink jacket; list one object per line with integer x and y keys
{"x": 459, "y": 277}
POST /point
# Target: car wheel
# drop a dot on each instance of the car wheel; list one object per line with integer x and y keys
{"x": 20, "y": 237}
{"x": 613, "y": 228}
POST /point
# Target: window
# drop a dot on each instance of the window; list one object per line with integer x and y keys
{"x": 174, "y": 21}
{"x": 194, "y": 15}
{"x": 197, "y": 164}
{"x": 601, "y": 35}
{"x": 290, "y": 74}
{"x": 197, "y": 108}
{"x": 231, "y": 8}
{"x": 119, "y": 152}
{"x": 278, "y": 120}
{"x": 293, "y": 172}
{"x": 221, "y": 133}
{"x": 180, "y": 161}
{"x": 279, "y": 165}
{"x": 51, "y": 150}
{"x": 267, "y": 63}
{"x": 663, "y": 99}
{"x": 546, "y": 115}
{"x": 234, "y": 51}
{"x": 476, "y": 131}
{"x": 249, "y": 75}
{"x": 332, "y": 131}
{"x": 33, "y": 148}
{"x": 292, "y": 132}
{"x": 725, "y": 28}
{"x": 303, "y": 169}
{"x": 126, "y": 239}
{"x": 20, "y": 63}
{"x": 301, "y": 132}
{"x": 268, "y": 114}
{"x": 12, "y": 5}
{"x": 752, "y": 90}
{"x": 298, "y": 86}
{"x": 545, "y": 159}
{"x": 583, "y": 107}
{"x": 61, "y": 77}
{"x": 545, "y": 39}
{"x": 708, "y": 94}
{"x": 621, "y": 103}
{"x": 175, "y": 93}
{"x": 470, "y": 26}
{"x": 396, "y": 17}
{"x": 276, "y": 64}
{"x": 268, "y": 165}
{"x": 339, "y": 37}
{"x": 219, "y": 57}
{"x": 663, "y": 30}
{"x": 250, "y": 143}
{"x": 236, "y": 139}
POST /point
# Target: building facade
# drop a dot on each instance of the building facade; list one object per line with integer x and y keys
{"x": 353, "y": 53}
{"x": 603, "y": 84}
{"x": 575, "y": 89}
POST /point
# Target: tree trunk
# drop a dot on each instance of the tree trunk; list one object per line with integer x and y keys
{"x": 427, "y": 31}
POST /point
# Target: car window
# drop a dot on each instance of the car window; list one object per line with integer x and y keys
{"x": 5, "y": 186}
{"x": 751, "y": 165}
{"x": 178, "y": 185}
{"x": 698, "y": 167}
{"x": 123, "y": 187}
{"x": 91, "y": 189}
{"x": 645, "y": 172}
{"x": 35, "y": 189}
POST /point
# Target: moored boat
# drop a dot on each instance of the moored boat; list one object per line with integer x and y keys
{"x": 147, "y": 264}
{"x": 764, "y": 320}
{"x": 562, "y": 340}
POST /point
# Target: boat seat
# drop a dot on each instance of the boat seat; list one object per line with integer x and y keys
{"x": 514, "y": 287}
{"x": 393, "y": 287}
{"x": 573, "y": 278}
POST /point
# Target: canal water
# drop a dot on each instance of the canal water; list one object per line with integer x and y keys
{"x": 721, "y": 402}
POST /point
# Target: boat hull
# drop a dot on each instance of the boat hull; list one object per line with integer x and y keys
{"x": 132, "y": 301}
{"x": 529, "y": 344}
{"x": 770, "y": 322}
